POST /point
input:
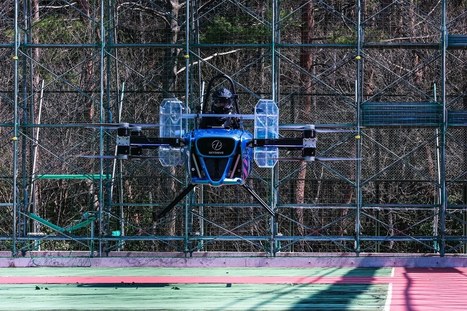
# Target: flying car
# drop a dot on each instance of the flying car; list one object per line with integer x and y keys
{"x": 219, "y": 151}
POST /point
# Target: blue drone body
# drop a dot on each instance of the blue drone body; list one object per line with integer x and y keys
{"x": 220, "y": 156}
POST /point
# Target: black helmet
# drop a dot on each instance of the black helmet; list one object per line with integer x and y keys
{"x": 222, "y": 101}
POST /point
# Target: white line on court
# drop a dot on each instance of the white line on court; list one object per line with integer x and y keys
{"x": 387, "y": 305}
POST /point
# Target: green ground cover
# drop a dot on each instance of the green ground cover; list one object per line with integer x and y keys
{"x": 193, "y": 296}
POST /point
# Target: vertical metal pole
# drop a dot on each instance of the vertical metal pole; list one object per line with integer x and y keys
{"x": 195, "y": 40}
{"x": 101, "y": 130}
{"x": 108, "y": 117}
{"x": 275, "y": 38}
{"x": 358, "y": 102}
{"x": 188, "y": 219}
{"x": 22, "y": 222}
{"x": 32, "y": 196}
{"x": 15, "y": 129}
{"x": 91, "y": 246}
{"x": 444, "y": 203}
{"x": 273, "y": 50}
{"x": 120, "y": 173}
{"x": 438, "y": 168}
{"x": 187, "y": 56}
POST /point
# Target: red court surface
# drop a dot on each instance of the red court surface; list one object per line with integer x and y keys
{"x": 407, "y": 288}
{"x": 428, "y": 289}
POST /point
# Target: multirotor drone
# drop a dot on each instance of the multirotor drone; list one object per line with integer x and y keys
{"x": 219, "y": 151}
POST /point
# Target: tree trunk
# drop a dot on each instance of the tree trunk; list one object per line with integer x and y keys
{"x": 306, "y": 62}
{"x": 172, "y": 30}
{"x": 36, "y": 86}
{"x": 169, "y": 80}
{"x": 88, "y": 82}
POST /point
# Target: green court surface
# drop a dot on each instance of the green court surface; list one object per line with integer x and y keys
{"x": 193, "y": 296}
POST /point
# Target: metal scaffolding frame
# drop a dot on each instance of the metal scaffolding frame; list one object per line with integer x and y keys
{"x": 353, "y": 207}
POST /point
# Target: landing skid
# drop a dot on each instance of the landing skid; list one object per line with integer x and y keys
{"x": 169, "y": 207}
{"x": 258, "y": 199}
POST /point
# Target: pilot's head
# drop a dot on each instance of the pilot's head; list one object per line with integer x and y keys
{"x": 222, "y": 101}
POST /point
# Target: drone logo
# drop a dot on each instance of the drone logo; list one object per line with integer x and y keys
{"x": 216, "y": 145}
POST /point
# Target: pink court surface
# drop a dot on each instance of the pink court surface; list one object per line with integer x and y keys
{"x": 234, "y": 283}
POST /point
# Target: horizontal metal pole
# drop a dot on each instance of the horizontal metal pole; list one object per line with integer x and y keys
{"x": 321, "y": 238}
{"x": 72, "y": 176}
{"x": 330, "y": 45}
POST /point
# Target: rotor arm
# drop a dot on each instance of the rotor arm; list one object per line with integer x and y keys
{"x": 131, "y": 142}
{"x": 285, "y": 143}
{"x": 307, "y": 143}
{"x": 156, "y": 142}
